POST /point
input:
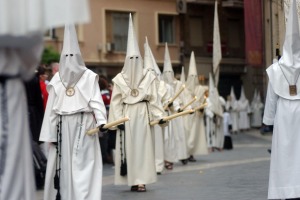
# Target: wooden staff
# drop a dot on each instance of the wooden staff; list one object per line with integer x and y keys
{"x": 109, "y": 125}
{"x": 192, "y": 101}
{"x": 168, "y": 118}
{"x": 201, "y": 107}
{"x": 175, "y": 96}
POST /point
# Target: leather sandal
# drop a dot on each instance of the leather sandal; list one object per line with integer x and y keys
{"x": 141, "y": 188}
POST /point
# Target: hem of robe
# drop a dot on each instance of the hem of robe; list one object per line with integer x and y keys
{"x": 159, "y": 165}
{"x": 268, "y": 121}
{"x": 125, "y": 182}
{"x": 284, "y": 192}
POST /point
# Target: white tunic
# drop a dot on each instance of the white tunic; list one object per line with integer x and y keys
{"x": 210, "y": 125}
{"x": 197, "y": 144}
{"x": 170, "y": 133}
{"x": 244, "y": 111}
{"x": 138, "y": 136}
{"x": 81, "y": 162}
{"x": 232, "y": 107}
{"x": 219, "y": 137}
{"x": 284, "y": 114}
{"x": 175, "y": 136}
{"x": 164, "y": 96}
{"x": 226, "y": 122}
{"x": 256, "y": 118}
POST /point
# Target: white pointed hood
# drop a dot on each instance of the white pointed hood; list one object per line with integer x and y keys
{"x": 192, "y": 79}
{"x": 71, "y": 64}
{"x": 290, "y": 60}
{"x": 168, "y": 73}
{"x": 232, "y": 95}
{"x": 243, "y": 96}
{"x": 182, "y": 77}
{"x": 258, "y": 97}
{"x": 132, "y": 71}
{"x": 286, "y": 71}
{"x": 149, "y": 60}
{"x": 148, "y": 65}
{"x": 156, "y": 68}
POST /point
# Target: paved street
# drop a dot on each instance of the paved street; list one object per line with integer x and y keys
{"x": 239, "y": 174}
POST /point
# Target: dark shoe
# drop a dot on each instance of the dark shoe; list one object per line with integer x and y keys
{"x": 185, "y": 161}
{"x": 192, "y": 159}
{"x": 134, "y": 188}
{"x": 158, "y": 173}
{"x": 141, "y": 188}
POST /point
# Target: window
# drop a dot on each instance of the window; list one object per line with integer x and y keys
{"x": 234, "y": 31}
{"x": 117, "y": 30}
{"x": 196, "y": 31}
{"x": 50, "y": 34}
{"x": 166, "y": 29}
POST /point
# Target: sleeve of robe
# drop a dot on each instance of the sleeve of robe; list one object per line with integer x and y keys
{"x": 48, "y": 130}
{"x": 249, "y": 110}
{"x": 208, "y": 111}
{"x": 97, "y": 105}
{"x": 270, "y": 108}
{"x": 165, "y": 93}
{"x": 156, "y": 108}
{"x": 116, "y": 105}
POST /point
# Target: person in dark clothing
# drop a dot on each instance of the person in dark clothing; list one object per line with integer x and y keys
{"x": 108, "y": 140}
{"x": 35, "y": 107}
{"x": 36, "y": 115}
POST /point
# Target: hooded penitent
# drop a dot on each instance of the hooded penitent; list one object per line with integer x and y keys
{"x": 192, "y": 79}
{"x": 132, "y": 71}
{"x": 287, "y": 70}
{"x": 71, "y": 64}
{"x": 168, "y": 73}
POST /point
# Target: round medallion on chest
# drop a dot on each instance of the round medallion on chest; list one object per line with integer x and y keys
{"x": 70, "y": 91}
{"x": 134, "y": 92}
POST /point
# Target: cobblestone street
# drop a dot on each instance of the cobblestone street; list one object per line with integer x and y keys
{"x": 239, "y": 174}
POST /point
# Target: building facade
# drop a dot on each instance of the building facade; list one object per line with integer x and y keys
{"x": 186, "y": 25}
{"x": 103, "y": 41}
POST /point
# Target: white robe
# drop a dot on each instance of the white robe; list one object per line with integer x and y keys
{"x": 244, "y": 111}
{"x": 17, "y": 179}
{"x": 219, "y": 137}
{"x": 138, "y": 136}
{"x": 284, "y": 114}
{"x": 232, "y": 107}
{"x": 210, "y": 125}
{"x": 164, "y": 95}
{"x": 196, "y": 142}
{"x": 175, "y": 136}
{"x": 226, "y": 122}
{"x": 81, "y": 162}
{"x": 256, "y": 117}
